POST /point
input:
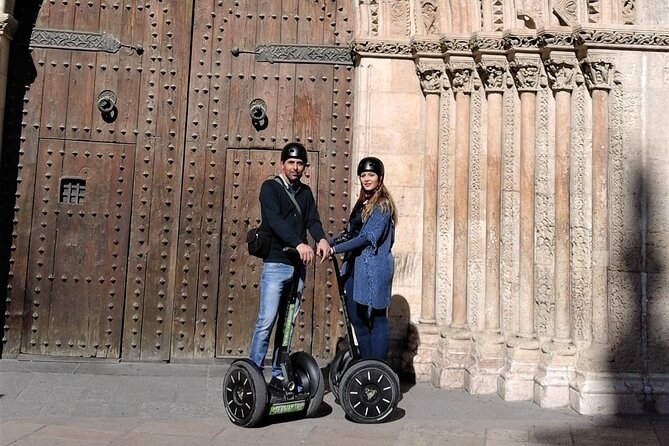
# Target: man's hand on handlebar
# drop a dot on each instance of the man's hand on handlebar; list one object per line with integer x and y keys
{"x": 306, "y": 253}
{"x": 323, "y": 249}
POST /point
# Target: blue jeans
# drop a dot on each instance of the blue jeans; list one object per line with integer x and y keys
{"x": 275, "y": 288}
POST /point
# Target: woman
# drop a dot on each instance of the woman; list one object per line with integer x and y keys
{"x": 368, "y": 264}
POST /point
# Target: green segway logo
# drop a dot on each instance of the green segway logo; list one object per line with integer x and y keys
{"x": 279, "y": 409}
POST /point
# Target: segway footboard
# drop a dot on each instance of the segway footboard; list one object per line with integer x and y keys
{"x": 369, "y": 391}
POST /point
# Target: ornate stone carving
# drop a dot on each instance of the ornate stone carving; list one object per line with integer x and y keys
{"x": 277, "y": 53}
{"x": 526, "y": 72}
{"x": 562, "y": 71}
{"x": 531, "y": 11}
{"x": 429, "y": 16}
{"x": 599, "y": 71}
{"x": 521, "y": 41}
{"x": 461, "y": 75}
{"x": 498, "y": 15}
{"x": 486, "y": 43}
{"x": 565, "y": 10}
{"x": 430, "y": 73}
{"x": 628, "y": 9}
{"x": 610, "y": 38}
{"x": 400, "y": 49}
{"x": 594, "y": 9}
{"x": 399, "y": 18}
{"x": 455, "y": 44}
{"x": 556, "y": 38}
{"x": 492, "y": 72}
{"x": 425, "y": 46}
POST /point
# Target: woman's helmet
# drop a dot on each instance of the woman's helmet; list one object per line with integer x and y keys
{"x": 370, "y": 164}
{"x": 294, "y": 150}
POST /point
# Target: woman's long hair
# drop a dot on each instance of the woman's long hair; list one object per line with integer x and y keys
{"x": 381, "y": 198}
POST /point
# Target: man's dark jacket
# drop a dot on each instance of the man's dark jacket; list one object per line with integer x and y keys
{"x": 279, "y": 214}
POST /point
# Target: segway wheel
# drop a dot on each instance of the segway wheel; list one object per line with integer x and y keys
{"x": 244, "y": 393}
{"x": 309, "y": 376}
{"x": 337, "y": 368}
{"x": 369, "y": 391}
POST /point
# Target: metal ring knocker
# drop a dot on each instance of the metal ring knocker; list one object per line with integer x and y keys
{"x": 107, "y": 105}
{"x": 258, "y": 113}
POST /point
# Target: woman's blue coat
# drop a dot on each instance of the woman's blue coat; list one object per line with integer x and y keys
{"x": 374, "y": 266}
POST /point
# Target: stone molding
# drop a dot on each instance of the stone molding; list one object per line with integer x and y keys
{"x": 580, "y": 37}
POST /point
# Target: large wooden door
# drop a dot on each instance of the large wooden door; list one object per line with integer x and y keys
{"x": 280, "y": 52}
{"x": 97, "y": 103}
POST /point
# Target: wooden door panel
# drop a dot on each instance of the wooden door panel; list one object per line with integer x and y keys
{"x": 79, "y": 250}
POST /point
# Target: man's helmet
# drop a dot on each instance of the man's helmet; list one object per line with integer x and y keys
{"x": 294, "y": 150}
{"x": 370, "y": 164}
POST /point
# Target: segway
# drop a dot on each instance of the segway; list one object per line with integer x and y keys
{"x": 368, "y": 390}
{"x": 249, "y": 399}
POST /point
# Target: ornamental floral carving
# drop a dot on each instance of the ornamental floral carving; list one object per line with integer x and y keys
{"x": 430, "y": 73}
{"x": 563, "y": 72}
{"x": 382, "y": 47}
{"x": 455, "y": 44}
{"x": 594, "y": 37}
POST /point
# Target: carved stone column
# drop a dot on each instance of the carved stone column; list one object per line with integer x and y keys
{"x": 431, "y": 74}
{"x": 488, "y": 353}
{"x": 8, "y": 26}
{"x": 517, "y": 379}
{"x": 600, "y": 71}
{"x": 591, "y": 391}
{"x": 558, "y": 355}
{"x": 455, "y": 350}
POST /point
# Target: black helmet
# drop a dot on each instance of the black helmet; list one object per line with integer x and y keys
{"x": 370, "y": 164}
{"x": 294, "y": 150}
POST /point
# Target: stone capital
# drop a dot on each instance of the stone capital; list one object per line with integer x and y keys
{"x": 461, "y": 73}
{"x": 431, "y": 75}
{"x": 563, "y": 71}
{"x": 599, "y": 70}
{"x": 526, "y": 72}
{"x": 492, "y": 71}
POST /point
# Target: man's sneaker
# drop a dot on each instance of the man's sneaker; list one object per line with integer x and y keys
{"x": 276, "y": 382}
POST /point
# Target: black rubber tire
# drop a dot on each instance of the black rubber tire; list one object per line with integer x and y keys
{"x": 337, "y": 368}
{"x": 244, "y": 393}
{"x": 309, "y": 376}
{"x": 369, "y": 391}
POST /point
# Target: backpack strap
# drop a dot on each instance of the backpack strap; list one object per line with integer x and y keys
{"x": 292, "y": 198}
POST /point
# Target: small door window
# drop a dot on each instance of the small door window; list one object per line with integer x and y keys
{"x": 72, "y": 190}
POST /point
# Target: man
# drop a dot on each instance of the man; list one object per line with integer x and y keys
{"x": 289, "y": 227}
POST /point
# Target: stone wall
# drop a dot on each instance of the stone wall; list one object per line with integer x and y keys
{"x": 523, "y": 143}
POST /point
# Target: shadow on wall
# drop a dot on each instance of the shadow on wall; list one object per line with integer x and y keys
{"x": 21, "y": 74}
{"x": 404, "y": 339}
{"x": 639, "y": 303}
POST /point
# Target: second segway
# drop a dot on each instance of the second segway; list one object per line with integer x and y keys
{"x": 368, "y": 390}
